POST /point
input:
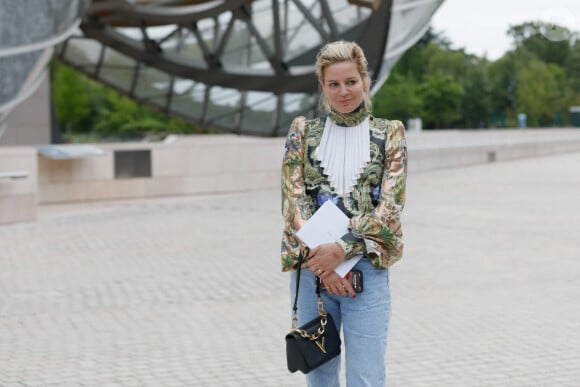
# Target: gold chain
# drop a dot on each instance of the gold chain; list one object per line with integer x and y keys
{"x": 321, "y": 329}
{"x": 316, "y": 335}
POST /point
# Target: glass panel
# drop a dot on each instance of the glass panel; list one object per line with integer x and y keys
{"x": 222, "y": 107}
{"x": 300, "y": 35}
{"x": 83, "y": 53}
{"x": 257, "y": 115}
{"x": 346, "y": 15}
{"x": 257, "y": 122}
{"x": 19, "y": 68}
{"x": 408, "y": 20}
{"x": 152, "y": 84}
{"x": 207, "y": 28}
{"x": 188, "y": 98}
{"x": 117, "y": 69}
{"x": 61, "y": 13}
{"x": 257, "y": 58}
{"x": 160, "y": 32}
{"x": 263, "y": 20}
{"x": 242, "y": 48}
{"x": 295, "y": 104}
{"x": 26, "y": 22}
{"x": 259, "y": 100}
{"x": 160, "y": 100}
{"x": 175, "y": 39}
{"x": 131, "y": 32}
{"x": 237, "y": 51}
{"x": 189, "y": 45}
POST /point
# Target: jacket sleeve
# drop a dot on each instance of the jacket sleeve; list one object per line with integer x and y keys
{"x": 380, "y": 230}
{"x": 296, "y": 205}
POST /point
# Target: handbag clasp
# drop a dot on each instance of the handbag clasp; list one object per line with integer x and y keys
{"x": 321, "y": 310}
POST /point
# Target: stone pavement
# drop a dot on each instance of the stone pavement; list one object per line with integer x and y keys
{"x": 187, "y": 291}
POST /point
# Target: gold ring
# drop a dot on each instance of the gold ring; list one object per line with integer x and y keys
{"x": 319, "y": 271}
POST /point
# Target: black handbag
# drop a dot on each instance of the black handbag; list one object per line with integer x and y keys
{"x": 314, "y": 343}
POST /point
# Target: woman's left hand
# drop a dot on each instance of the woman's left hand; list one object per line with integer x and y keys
{"x": 324, "y": 258}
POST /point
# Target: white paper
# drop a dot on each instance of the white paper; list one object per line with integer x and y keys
{"x": 347, "y": 265}
{"x": 327, "y": 225}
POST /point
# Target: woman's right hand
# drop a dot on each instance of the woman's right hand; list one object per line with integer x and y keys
{"x": 337, "y": 285}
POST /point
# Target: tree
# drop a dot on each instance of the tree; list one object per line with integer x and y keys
{"x": 115, "y": 115}
{"x": 71, "y": 98}
{"x": 502, "y": 75}
{"x": 434, "y": 37}
{"x": 441, "y": 96}
{"x": 477, "y": 101}
{"x": 414, "y": 63}
{"x": 541, "y": 92}
{"x": 398, "y": 99}
{"x": 445, "y": 61}
{"x": 450, "y": 88}
{"x": 572, "y": 68}
{"x": 539, "y": 38}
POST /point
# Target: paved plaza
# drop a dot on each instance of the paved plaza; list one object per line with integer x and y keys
{"x": 187, "y": 291}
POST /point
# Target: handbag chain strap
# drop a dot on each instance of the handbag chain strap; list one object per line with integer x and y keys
{"x": 323, "y": 321}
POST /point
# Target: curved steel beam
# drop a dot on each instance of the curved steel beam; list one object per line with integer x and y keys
{"x": 299, "y": 80}
{"x": 374, "y": 39}
{"x": 122, "y": 13}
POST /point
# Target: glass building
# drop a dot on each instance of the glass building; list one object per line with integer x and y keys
{"x": 29, "y": 31}
{"x": 239, "y": 66}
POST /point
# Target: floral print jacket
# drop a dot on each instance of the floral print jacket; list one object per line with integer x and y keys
{"x": 374, "y": 206}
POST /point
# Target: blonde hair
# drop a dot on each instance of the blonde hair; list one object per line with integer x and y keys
{"x": 337, "y": 52}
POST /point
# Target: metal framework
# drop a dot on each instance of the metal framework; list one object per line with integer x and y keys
{"x": 240, "y": 66}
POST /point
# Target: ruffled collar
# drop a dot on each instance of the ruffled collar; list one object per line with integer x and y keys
{"x": 344, "y": 149}
{"x": 354, "y": 118}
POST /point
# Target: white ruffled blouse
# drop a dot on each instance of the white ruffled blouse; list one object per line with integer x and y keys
{"x": 344, "y": 152}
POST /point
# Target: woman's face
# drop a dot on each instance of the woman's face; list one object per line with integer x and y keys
{"x": 343, "y": 86}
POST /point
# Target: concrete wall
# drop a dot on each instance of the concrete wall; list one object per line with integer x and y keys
{"x": 456, "y": 148}
{"x": 29, "y": 122}
{"x": 18, "y": 196}
{"x": 194, "y": 165}
{"x": 227, "y": 163}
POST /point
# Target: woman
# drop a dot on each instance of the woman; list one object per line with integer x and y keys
{"x": 360, "y": 163}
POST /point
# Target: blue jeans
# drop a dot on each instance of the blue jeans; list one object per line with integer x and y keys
{"x": 364, "y": 321}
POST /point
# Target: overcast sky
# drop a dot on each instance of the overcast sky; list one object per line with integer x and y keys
{"x": 480, "y": 26}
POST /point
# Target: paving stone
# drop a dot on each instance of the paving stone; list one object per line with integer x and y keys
{"x": 188, "y": 292}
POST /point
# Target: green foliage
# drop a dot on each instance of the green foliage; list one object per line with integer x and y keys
{"x": 503, "y": 83}
{"x": 441, "y": 96}
{"x": 445, "y": 61}
{"x": 70, "y": 96}
{"x": 572, "y": 68}
{"x": 533, "y": 37}
{"x": 540, "y": 92}
{"x": 450, "y": 88}
{"x": 477, "y": 99}
{"x": 398, "y": 98}
{"x": 88, "y": 111}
